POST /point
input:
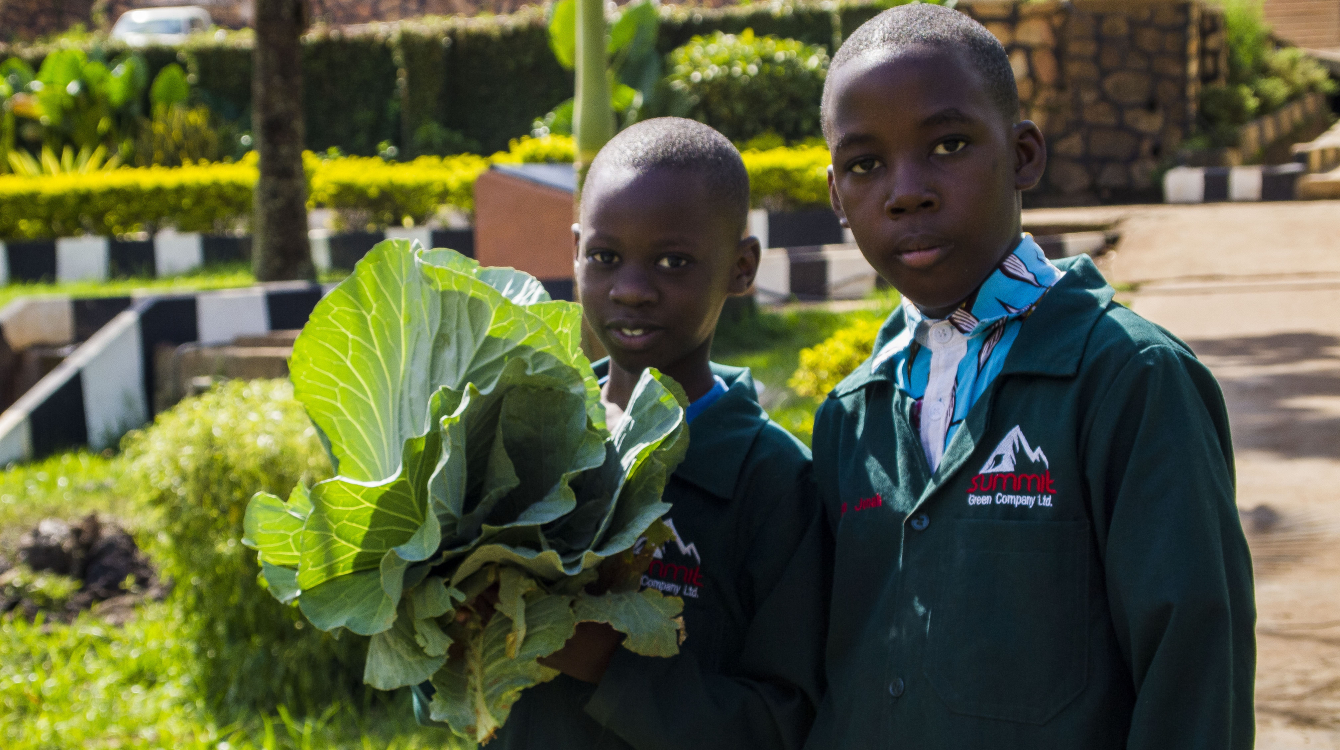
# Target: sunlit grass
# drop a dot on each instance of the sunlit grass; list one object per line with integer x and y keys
{"x": 769, "y": 344}
{"x": 94, "y": 685}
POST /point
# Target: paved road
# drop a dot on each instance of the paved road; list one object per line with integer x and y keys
{"x": 1255, "y": 290}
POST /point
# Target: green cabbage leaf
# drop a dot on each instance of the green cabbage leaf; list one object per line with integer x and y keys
{"x": 473, "y": 458}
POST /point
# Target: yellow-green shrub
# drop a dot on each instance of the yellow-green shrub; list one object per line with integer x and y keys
{"x": 193, "y": 199}
{"x": 211, "y": 197}
{"x": 393, "y": 192}
{"x": 786, "y": 178}
{"x": 194, "y": 470}
{"x": 396, "y": 193}
{"x": 824, "y": 365}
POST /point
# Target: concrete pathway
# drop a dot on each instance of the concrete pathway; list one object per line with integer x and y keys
{"x": 1255, "y": 290}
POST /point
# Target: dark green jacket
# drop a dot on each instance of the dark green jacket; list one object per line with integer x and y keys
{"x": 1073, "y": 576}
{"x": 752, "y": 563}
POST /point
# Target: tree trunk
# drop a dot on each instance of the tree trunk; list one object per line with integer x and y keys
{"x": 279, "y": 245}
{"x": 593, "y": 117}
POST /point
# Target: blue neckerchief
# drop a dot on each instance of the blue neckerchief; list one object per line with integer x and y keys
{"x": 990, "y": 318}
{"x": 704, "y": 401}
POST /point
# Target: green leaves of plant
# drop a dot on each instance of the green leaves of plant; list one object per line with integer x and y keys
{"x": 474, "y": 464}
{"x": 170, "y": 87}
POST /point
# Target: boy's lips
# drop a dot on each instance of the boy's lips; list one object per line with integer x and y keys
{"x": 633, "y": 335}
{"x": 920, "y": 253}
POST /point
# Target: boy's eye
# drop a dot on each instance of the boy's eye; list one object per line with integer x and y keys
{"x": 863, "y": 166}
{"x": 672, "y": 261}
{"x": 950, "y": 145}
{"x": 602, "y": 256}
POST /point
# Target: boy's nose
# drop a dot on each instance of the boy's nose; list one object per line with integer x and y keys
{"x": 633, "y": 289}
{"x": 910, "y": 194}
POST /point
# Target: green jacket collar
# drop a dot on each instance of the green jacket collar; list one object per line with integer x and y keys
{"x": 721, "y": 436}
{"x": 1050, "y": 343}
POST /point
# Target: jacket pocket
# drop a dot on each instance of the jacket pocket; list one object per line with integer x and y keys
{"x": 1008, "y": 633}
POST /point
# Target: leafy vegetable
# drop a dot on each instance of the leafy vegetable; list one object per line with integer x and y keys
{"x": 467, "y": 431}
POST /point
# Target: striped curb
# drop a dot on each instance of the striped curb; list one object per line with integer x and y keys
{"x": 840, "y": 271}
{"x": 170, "y": 253}
{"x": 815, "y": 272}
{"x": 106, "y": 387}
{"x": 1220, "y": 184}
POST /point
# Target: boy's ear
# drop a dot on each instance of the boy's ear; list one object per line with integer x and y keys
{"x": 576, "y": 243}
{"x": 833, "y": 199}
{"x": 745, "y": 269}
{"x": 1030, "y": 155}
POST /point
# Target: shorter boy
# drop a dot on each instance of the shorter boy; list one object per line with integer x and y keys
{"x": 657, "y": 252}
{"x": 1032, "y": 487}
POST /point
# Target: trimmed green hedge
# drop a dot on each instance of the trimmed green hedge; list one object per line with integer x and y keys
{"x": 215, "y": 197}
{"x": 482, "y": 79}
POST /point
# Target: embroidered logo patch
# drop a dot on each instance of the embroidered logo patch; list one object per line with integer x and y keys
{"x": 677, "y": 568}
{"x": 1015, "y": 474}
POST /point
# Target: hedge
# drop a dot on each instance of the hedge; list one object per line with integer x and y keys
{"x": 788, "y": 178}
{"x": 484, "y": 78}
{"x": 216, "y": 197}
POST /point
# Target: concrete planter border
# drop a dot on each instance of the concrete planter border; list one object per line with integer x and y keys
{"x": 106, "y": 386}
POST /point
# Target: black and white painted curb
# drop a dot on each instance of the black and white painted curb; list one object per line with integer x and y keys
{"x": 1220, "y": 184}
{"x": 106, "y": 387}
{"x": 841, "y": 272}
{"x": 169, "y": 253}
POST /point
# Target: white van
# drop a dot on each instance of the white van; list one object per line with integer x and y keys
{"x": 145, "y": 26}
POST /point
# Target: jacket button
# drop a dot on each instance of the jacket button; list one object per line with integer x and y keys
{"x": 920, "y": 521}
{"x": 896, "y": 687}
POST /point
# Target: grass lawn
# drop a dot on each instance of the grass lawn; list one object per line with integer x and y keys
{"x": 214, "y": 276}
{"x": 94, "y": 685}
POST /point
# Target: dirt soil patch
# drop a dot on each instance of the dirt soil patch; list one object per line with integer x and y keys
{"x": 63, "y": 569}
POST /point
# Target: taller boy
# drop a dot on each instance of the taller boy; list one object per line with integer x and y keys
{"x": 1032, "y": 487}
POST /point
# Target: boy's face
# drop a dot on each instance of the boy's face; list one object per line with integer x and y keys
{"x": 927, "y": 171}
{"x": 655, "y": 257}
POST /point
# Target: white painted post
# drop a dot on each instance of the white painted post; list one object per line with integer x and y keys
{"x": 423, "y": 234}
{"x": 112, "y": 378}
{"x": 81, "y": 258}
{"x": 758, "y": 226}
{"x": 1244, "y": 184}
{"x": 773, "y": 281}
{"x": 224, "y": 315}
{"x": 320, "y": 243}
{"x": 1184, "y": 185}
{"x": 177, "y": 253}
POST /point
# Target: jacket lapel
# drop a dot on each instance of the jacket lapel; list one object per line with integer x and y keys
{"x": 1050, "y": 343}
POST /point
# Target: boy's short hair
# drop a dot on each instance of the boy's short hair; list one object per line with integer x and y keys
{"x": 922, "y": 25}
{"x": 677, "y": 143}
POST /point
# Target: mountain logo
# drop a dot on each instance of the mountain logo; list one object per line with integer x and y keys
{"x": 683, "y": 578}
{"x": 1006, "y": 455}
{"x": 687, "y": 550}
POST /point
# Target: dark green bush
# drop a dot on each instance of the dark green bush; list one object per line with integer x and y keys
{"x": 482, "y": 80}
{"x": 745, "y": 85}
{"x": 811, "y": 23}
{"x": 195, "y": 469}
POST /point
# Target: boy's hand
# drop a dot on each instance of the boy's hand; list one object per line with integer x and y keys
{"x": 587, "y": 653}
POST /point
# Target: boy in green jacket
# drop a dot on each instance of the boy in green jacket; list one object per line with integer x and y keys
{"x": 1032, "y": 487}
{"x": 657, "y": 252}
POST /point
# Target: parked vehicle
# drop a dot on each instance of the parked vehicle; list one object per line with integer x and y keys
{"x": 146, "y": 26}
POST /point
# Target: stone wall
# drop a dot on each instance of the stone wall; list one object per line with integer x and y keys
{"x": 1113, "y": 85}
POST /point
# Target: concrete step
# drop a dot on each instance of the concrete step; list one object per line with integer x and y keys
{"x": 189, "y": 369}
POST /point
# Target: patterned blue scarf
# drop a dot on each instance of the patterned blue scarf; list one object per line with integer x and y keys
{"x": 989, "y": 320}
